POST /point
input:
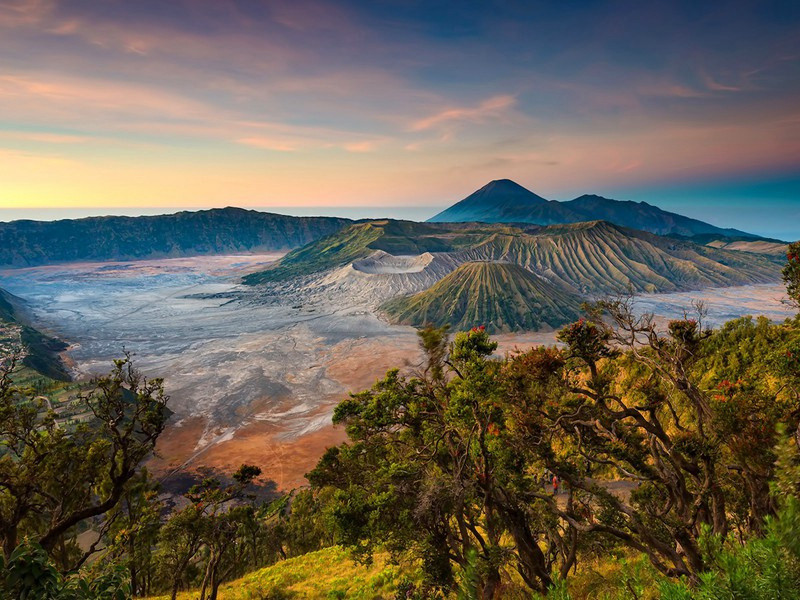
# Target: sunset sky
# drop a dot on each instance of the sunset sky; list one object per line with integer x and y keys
{"x": 137, "y": 105}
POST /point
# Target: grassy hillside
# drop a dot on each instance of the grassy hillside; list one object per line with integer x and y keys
{"x": 362, "y": 239}
{"x": 323, "y": 575}
{"x": 500, "y": 296}
{"x": 27, "y": 243}
{"x": 599, "y": 257}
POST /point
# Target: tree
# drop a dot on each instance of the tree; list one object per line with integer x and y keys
{"x": 685, "y": 417}
{"x": 791, "y": 273}
{"x": 180, "y": 539}
{"x": 54, "y": 478}
{"x": 216, "y": 524}
{"x": 442, "y": 482}
{"x": 696, "y": 442}
{"x": 134, "y": 530}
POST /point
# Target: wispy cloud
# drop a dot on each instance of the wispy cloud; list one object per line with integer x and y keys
{"x": 15, "y": 13}
{"x": 495, "y": 107}
{"x": 141, "y": 93}
{"x": 45, "y": 137}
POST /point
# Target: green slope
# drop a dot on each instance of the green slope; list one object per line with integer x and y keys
{"x": 599, "y": 257}
{"x": 501, "y": 296}
{"x": 42, "y": 351}
{"x": 321, "y": 575}
{"x": 362, "y": 239}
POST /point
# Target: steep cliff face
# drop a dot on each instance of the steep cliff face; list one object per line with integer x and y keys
{"x": 40, "y": 351}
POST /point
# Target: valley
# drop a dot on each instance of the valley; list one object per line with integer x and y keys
{"x": 254, "y": 372}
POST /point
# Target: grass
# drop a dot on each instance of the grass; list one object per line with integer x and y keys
{"x": 324, "y": 575}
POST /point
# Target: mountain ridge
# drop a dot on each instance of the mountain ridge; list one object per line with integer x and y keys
{"x": 28, "y": 243}
{"x": 492, "y": 204}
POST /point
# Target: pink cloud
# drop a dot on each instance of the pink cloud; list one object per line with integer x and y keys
{"x": 16, "y": 13}
{"x": 268, "y": 144}
{"x": 493, "y": 108}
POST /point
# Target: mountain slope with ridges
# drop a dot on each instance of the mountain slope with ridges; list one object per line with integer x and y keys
{"x": 500, "y": 296}
{"x": 494, "y": 204}
{"x": 362, "y": 239}
{"x": 589, "y": 258}
{"x": 599, "y": 257}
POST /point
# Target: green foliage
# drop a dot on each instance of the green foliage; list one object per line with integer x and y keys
{"x": 53, "y": 479}
{"x": 456, "y": 453}
{"x": 30, "y": 575}
{"x": 791, "y": 273}
{"x": 764, "y": 568}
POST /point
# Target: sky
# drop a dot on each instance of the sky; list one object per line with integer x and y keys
{"x": 144, "y": 105}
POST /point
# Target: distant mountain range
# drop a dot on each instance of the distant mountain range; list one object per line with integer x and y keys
{"x": 504, "y": 201}
{"x": 27, "y": 243}
{"x": 217, "y": 231}
{"x": 500, "y": 296}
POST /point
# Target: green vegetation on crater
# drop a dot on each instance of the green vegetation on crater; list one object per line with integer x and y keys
{"x": 500, "y": 296}
{"x": 362, "y": 239}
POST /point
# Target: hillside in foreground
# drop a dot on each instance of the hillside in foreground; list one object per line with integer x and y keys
{"x": 500, "y": 296}
{"x": 40, "y": 351}
{"x": 328, "y": 573}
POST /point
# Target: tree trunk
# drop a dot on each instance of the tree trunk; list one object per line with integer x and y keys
{"x": 491, "y": 585}
{"x": 532, "y": 565}
{"x": 9, "y": 540}
{"x": 214, "y": 588}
